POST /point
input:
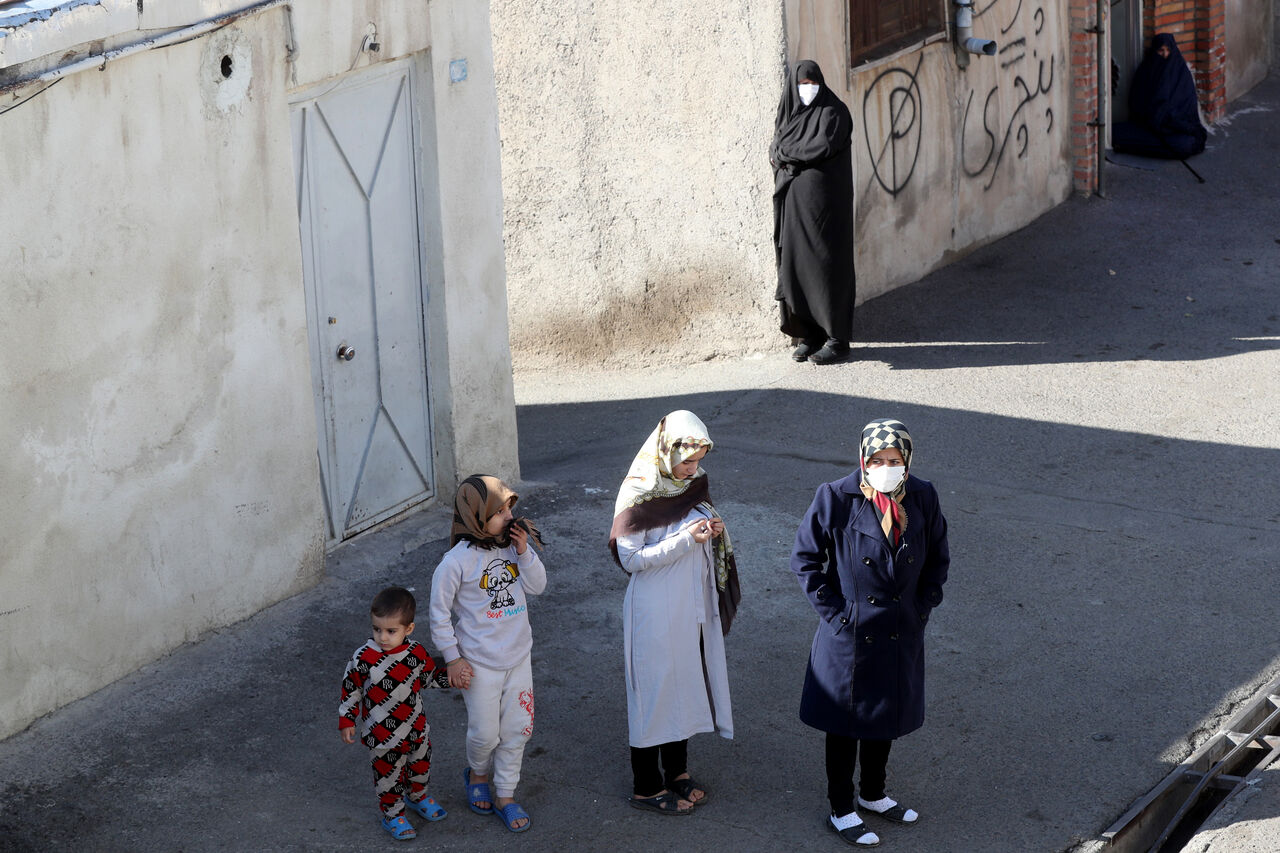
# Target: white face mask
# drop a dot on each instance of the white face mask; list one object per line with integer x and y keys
{"x": 886, "y": 478}
{"x": 808, "y": 91}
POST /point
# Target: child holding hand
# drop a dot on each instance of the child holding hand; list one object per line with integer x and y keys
{"x": 480, "y": 623}
{"x": 380, "y": 690}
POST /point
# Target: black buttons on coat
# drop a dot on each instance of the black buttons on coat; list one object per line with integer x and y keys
{"x": 822, "y": 593}
{"x": 866, "y": 561}
{"x": 871, "y": 598}
{"x": 844, "y": 620}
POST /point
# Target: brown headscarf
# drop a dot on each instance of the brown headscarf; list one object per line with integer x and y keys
{"x": 480, "y": 497}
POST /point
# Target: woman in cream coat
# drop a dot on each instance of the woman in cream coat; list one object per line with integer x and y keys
{"x": 679, "y": 603}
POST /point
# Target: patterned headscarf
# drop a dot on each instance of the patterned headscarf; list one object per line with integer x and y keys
{"x": 479, "y": 498}
{"x": 650, "y": 497}
{"x": 678, "y": 436}
{"x": 877, "y": 436}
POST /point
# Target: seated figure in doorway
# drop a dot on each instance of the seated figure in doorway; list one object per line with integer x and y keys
{"x": 1163, "y": 108}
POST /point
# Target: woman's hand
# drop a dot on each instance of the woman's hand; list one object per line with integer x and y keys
{"x": 717, "y": 527}
{"x": 701, "y": 530}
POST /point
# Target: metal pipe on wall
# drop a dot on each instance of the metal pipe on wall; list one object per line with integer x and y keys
{"x": 1103, "y": 93}
{"x": 170, "y": 38}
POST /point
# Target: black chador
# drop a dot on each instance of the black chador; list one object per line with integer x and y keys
{"x": 813, "y": 212}
{"x": 1163, "y": 108}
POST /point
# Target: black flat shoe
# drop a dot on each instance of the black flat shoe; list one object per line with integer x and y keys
{"x": 832, "y": 352}
{"x": 805, "y": 350}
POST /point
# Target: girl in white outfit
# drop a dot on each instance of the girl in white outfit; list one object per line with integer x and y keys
{"x": 680, "y": 601}
{"x": 480, "y": 623}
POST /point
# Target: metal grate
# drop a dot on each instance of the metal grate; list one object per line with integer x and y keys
{"x": 1166, "y": 818}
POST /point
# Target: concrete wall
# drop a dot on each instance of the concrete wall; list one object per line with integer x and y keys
{"x": 635, "y": 159}
{"x": 1250, "y": 36}
{"x": 636, "y": 175}
{"x": 160, "y": 474}
{"x": 469, "y": 289}
{"x": 160, "y": 477}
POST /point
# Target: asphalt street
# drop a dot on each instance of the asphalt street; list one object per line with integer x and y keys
{"x": 1095, "y": 398}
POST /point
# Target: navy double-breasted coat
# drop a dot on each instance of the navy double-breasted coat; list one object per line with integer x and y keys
{"x": 865, "y": 677}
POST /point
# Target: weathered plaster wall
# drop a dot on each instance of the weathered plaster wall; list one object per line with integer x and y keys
{"x": 159, "y": 478}
{"x": 155, "y": 390}
{"x": 1250, "y": 31}
{"x": 638, "y": 193}
{"x": 470, "y": 288}
{"x": 636, "y": 175}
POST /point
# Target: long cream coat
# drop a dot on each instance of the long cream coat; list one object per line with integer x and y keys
{"x": 670, "y": 605}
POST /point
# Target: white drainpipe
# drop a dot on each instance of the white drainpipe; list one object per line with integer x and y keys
{"x": 965, "y": 42}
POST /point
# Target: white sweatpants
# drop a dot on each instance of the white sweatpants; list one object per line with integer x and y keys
{"x": 499, "y": 722}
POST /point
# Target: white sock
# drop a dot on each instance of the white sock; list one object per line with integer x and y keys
{"x": 850, "y": 821}
{"x": 883, "y": 804}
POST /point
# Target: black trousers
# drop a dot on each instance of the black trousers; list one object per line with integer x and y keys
{"x": 648, "y": 779}
{"x": 842, "y": 754}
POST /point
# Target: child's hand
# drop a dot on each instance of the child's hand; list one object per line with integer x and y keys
{"x": 460, "y": 673}
{"x": 701, "y": 530}
{"x": 520, "y": 537}
{"x": 348, "y": 734}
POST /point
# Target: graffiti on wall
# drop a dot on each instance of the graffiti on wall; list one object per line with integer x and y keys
{"x": 896, "y": 151}
{"x": 1032, "y": 78}
{"x": 987, "y": 140}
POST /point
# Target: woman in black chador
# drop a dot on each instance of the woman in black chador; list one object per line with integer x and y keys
{"x": 813, "y": 216}
{"x": 1163, "y": 108}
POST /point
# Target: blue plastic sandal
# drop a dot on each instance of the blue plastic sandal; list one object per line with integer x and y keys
{"x": 510, "y": 813}
{"x": 477, "y": 793}
{"x": 427, "y": 807}
{"x": 400, "y": 828}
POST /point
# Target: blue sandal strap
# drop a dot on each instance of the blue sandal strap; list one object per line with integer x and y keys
{"x": 477, "y": 792}
{"x": 512, "y": 812}
{"x": 427, "y": 807}
{"x": 399, "y": 827}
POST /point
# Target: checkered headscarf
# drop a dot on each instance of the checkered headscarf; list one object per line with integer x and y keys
{"x": 881, "y": 435}
{"x": 877, "y": 436}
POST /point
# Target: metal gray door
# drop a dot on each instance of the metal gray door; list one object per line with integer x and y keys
{"x": 354, "y": 156}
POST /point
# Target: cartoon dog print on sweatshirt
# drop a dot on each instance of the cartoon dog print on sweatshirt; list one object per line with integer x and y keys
{"x": 495, "y": 579}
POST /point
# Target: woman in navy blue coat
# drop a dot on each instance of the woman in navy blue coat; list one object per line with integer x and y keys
{"x": 871, "y": 556}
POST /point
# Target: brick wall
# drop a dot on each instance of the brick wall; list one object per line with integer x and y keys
{"x": 1084, "y": 97}
{"x": 1199, "y": 26}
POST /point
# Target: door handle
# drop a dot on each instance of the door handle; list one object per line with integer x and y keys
{"x": 346, "y": 353}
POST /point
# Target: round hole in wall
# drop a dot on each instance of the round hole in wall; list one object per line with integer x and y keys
{"x": 227, "y": 66}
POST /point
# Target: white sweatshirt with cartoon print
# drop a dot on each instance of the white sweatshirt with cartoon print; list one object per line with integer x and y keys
{"x": 478, "y": 606}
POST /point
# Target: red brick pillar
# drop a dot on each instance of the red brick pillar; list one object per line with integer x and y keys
{"x": 1084, "y": 95}
{"x": 1199, "y": 26}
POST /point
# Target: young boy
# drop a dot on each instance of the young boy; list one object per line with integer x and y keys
{"x": 481, "y": 583}
{"x": 381, "y": 688}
